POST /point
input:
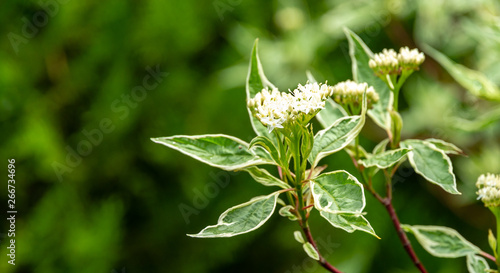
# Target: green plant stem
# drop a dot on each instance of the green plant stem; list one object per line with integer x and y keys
{"x": 301, "y": 209}
{"x": 298, "y": 177}
{"x": 396, "y": 99}
{"x": 356, "y": 146}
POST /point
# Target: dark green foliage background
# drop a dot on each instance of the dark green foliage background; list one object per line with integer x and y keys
{"x": 119, "y": 209}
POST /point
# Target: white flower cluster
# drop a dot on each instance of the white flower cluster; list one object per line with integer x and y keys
{"x": 350, "y": 92}
{"x": 390, "y": 62}
{"x": 489, "y": 189}
{"x": 275, "y": 109}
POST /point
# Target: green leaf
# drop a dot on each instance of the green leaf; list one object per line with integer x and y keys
{"x": 477, "y": 264}
{"x": 221, "y": 151}
{"x": 268, "y": 145}
{"x": 442, "y": 241}
{"x": 242, "y": 218}
{"x": 349, "y": 222}
{"x": 311, "y": 251}
{"x": 298, "y": 237}
{"x": 331, "y": 113}
{"x": 385, "y": 159}
{"x": 337, "y": 136}
{"x": 492, "y": 241}
{"x": 338, "y": 192}
{"x": 396, "y": 127}
{"x": 286, "y": 212}
{"x": 444, "y": 146}
{"x": 474, "y": 81}
{"x": 340, "y": 199}
{"x": 256, "y": 81}
{"x": 431, "y": 163}
{"x": 380, "y": 148}
{"x": 265, "y": 178}
{"x": 361, "y": 72}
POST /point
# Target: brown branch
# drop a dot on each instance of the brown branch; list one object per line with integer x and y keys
{"x": 402, "y": 235}
{"x": 387, "y": 202}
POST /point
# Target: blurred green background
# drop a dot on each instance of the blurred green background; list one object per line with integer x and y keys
{"x": 79, "y": 102}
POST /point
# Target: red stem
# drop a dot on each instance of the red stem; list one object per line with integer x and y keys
{"x": 322, "y": 261}
{"x": 402, "y": 235}
{"x": 489, "y": 256}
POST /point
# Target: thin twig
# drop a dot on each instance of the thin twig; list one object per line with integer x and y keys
{"x": 489, "y": 256}
{"x": 402, "y": 236}
{"x": 322, "y": 261}
{"x": 387, "y": 202}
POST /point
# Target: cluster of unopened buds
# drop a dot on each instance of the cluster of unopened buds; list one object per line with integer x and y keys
{"x": 489, "y": 189}
{"x": 388, "y": 62}
{"x": 349, "y": 92}
{"x": 276, "y": 109}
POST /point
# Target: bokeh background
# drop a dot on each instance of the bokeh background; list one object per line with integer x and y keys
{"x": 94, "y": 194}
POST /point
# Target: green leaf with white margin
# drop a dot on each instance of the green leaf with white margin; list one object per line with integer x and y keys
{"x": 337, "y": 192}
{"x": 477, "y": 264}
{"x": 286, "y": 212}
{"x": 380, "y": 148}
{"x": 444, "y": 146}
{"x": 242, "y": 218}
{"x": 431, "y": 163}
{"x": 311, "y": 251}
{"x": 265, "y": 178}
{"x": 222, "y": 151}
{"x": 474, "y": 81}
{"x": 256, "y": 81}
{"x": 385, "y": 159}
{"x": 337, "y": 136}
{"x": 361, "y": 72}
{"x": 442, "y": 241}
{"x": 298, "y": 237}
{"x": 349, "y": 222}
{"x": 340, "y": 199}
{"x": 332, "y": 111}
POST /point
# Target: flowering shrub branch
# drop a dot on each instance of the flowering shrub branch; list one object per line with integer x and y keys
{"x": 286, "y": 140}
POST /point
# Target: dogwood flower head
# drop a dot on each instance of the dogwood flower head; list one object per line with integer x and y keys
{"x": 388, "y": 62}
{"x": 351, "y": 93}
{"x": 489, "y": 189}
{"x": 385, "y": 62}
{"x": 410, "y": 59}
{"x": 276, "y": 109}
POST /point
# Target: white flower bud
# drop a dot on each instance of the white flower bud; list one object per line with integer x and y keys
{"x": 388, "y": 62}
{"x": 489, "y": 189}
